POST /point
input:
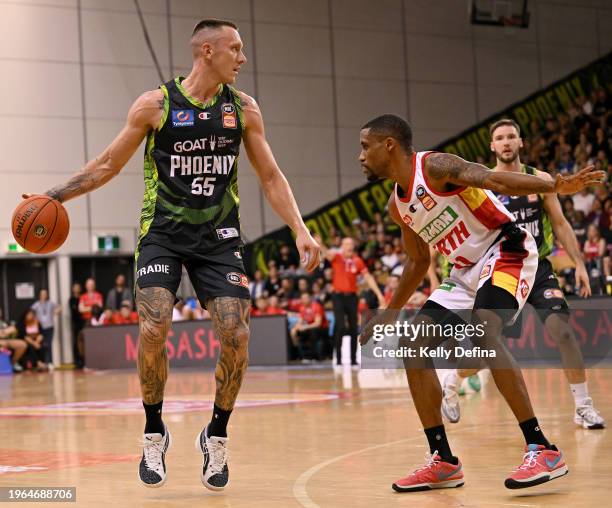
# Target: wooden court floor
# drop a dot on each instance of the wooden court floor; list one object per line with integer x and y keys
{"x": 305, "y": 437}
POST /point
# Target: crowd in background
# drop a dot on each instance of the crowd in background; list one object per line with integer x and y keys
{"x": 562, "y": 144}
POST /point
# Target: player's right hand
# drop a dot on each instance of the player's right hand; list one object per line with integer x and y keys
{"x": 309, "y": 250}
{"x": 575, "y": 183}
{"x": 582, "y": 281}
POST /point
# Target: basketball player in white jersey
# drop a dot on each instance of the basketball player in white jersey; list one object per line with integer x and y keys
{"x": 443, "y": 201}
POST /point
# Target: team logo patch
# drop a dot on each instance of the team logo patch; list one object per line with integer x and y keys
{"x": 485, "y": 271}
{"x": 407, "y": 220}
{"x": 503, "y": 199}
{"x": 553, "y": 293}
{"x": 40, "y": 231}
{"x": 237, "y": 254}
{"x": 524, "y": 288}
{"x": 425, "y": 198}
{"x": 532, "y": 198}
{"x": 204, "y": 115}
{"x": 229, "y": 116}
{"x": 182, "y": 118}
{"x": 238, "y": 279}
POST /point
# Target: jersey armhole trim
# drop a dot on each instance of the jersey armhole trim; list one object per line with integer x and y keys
{"x": 164, "y": 117}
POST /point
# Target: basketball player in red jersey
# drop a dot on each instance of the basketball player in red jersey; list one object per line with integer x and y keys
{"x": 194, "y": 127}
{"x": 495, "y": 264}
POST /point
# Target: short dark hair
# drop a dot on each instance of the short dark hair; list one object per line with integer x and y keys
{"x": 394, "y": 127}
{"x": 504, "y": 121}
{"x": 212, "y": 23}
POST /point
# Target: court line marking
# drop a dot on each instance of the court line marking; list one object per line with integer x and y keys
{"x": 299, "y": 487}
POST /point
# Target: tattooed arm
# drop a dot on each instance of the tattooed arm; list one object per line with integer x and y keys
{"x": 445, "y": 168}
{"x": 144, "y": 115}
{"x": 273, "y": 182}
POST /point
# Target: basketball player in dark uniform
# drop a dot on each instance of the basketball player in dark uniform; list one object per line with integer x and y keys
{"x": 193, "y": 128}
{"x": 541, "y": 215}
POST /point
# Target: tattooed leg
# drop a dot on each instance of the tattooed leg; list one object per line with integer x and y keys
{"x": 155, "y": 317}
{"x": 230, "y": 318}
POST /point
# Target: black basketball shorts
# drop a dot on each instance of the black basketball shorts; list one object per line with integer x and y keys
{"x": 212, "y": 275}
{"x": 546, "y": 298}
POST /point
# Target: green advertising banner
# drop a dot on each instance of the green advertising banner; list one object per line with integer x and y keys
{"x": 363, "y": 202}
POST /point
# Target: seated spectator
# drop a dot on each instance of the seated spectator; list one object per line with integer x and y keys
{"x": 118, "y": 295}
{"x": 274, "y": 308}
{"x": 579, "y": 226}
{"x": 287, "y": 290}
{"x": 308, "y": 334}
{"x": 273, "y": 283}
{"x": 125, "y": 315}
{"x": 9, "y": 341}
{"x": 287, "y": 261}
{"x": 100, "y": 316}
{"x": 583, "y": 201}
{"x": 303, "y": 285}
{"x": 389, "y": 258}
{"x": 30, "y": 331}
{"x": 594, "y": 247}
{"x": 257, "y": 285}
{"x": 88, "y": 299}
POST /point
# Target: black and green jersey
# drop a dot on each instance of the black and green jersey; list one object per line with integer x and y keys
{"x": 191, "y": 173}
{"x": 529, "y": 212}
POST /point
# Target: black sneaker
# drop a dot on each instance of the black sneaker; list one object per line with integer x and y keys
{"x": 152, "y": 469}
{"x": 214, "y": 473}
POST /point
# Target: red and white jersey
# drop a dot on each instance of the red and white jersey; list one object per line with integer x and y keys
{"x": 460, "y": 224}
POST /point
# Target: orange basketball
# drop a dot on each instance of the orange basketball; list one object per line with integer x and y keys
{"x": 40, "y": 224}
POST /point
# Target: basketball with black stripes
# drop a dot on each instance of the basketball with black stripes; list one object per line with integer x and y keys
{"x": 40, "y": 224}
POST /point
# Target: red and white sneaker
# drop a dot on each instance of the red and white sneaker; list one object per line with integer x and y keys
{"x": 436, "y": 474}
{"x": 540, "y": 465}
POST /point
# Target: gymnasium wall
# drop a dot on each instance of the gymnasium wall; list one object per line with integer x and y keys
{"x": 319, "y": 68}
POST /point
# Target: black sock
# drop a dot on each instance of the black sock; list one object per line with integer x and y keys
{"x": 533, "y": 434}
{"x": 218, "y": 424}
{"x": 436, "y": 436}
{"x": 154, "y": 423}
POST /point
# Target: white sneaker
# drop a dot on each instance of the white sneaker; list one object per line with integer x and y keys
{"x": 152, "y": 469}
{"x": 450, "y": 399}
{"x": 588, "y": 417}
{"x": 214, "y": 473}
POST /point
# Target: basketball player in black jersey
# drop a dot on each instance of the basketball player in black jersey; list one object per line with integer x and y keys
{"x": 542, "y": 215}
{"x": 193, "y": 128}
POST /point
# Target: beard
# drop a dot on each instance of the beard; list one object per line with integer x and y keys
{"x": 507, "y": 159}
{"x": 370, "y": 176}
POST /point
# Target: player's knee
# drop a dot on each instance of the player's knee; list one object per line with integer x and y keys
{"x": 559, "y": 329}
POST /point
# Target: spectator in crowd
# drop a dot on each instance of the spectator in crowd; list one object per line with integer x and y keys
{"x": 287, "y": 290}
{"x": 273, "y": 283}
{"x": 594, "y": 247}
{"x": 88, "y": 299}
{"x": 100, "y": 316}
{"x": 257, "y": 285}
{"x": 118, "y": 294}
{"x": 9, "y": 340}
{"x": 308, "y": 335}
{"x": 76, "y": 324}
{"x": 288, "y": 261}
{"x": 125, "y": 315}
{"x": 274, "y": 307}
{"x": 46, "y": 311}
{"x": 30, "y": 331}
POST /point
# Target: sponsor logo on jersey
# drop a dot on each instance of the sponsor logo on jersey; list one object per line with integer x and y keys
{"x": 182, "y": 118}
{"x": 228, "y": 112}
{"x": 437, "y": 226}
{"x": 485, "y": 271}
{"x": 237, "y": 254}
{"x": 451, "y": 242}
{"x": 225, "y": 233}
{"x": 503, "y": 199}
{"x": 201, "y": 164}
{"x": 553, "y": 293}
{"x": 412, "y": 208}
{"x": 154, "y": 268}
{"x": 191, "y": 145}
{"x": 238, "y": 279}
{"x": 204, "y": 115}
{"x": 425, "y": 198}
{"x": 524, "y": 288}
{"x": 407, "y": 220}
{"x": 532, "y": 198}
{"x": 40, "y": 231}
